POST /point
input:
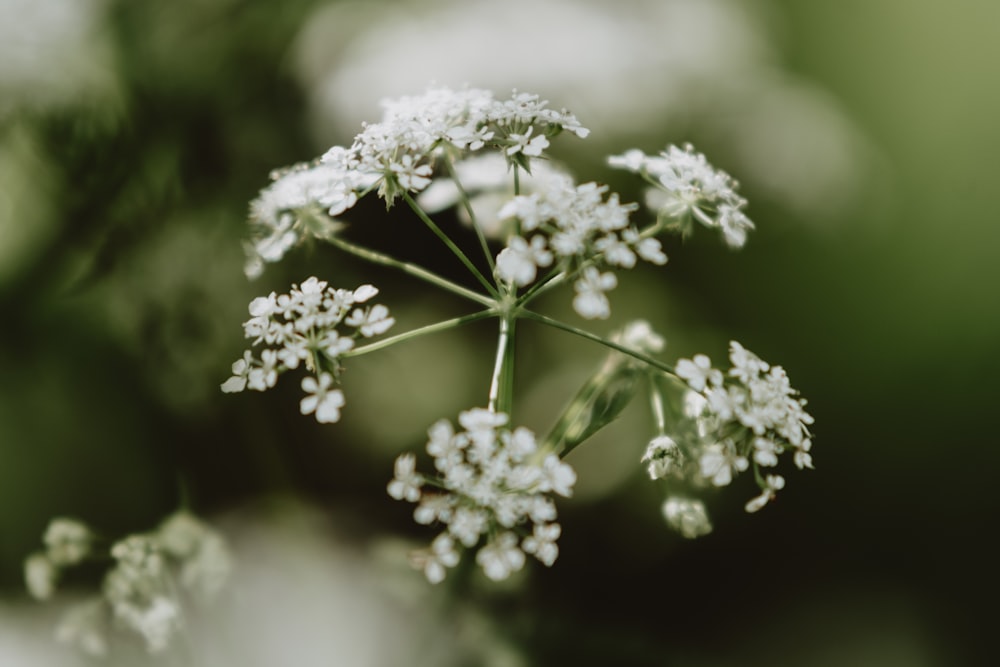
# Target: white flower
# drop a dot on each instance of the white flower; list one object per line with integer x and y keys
{"x": 542, "y": 543}
{"x": 772, "y": 484}
{"x": 434, "y": 562}
{"x": 501, "y": 557}
{"x": 492, "y": 479}
{"x": 40, "y": 576}
{"x": 802, "y": 457}
{"x": 689, "y": 185}
{"x": 372, "y": 321}
{"x": 241, "y": 370}
{"x": 67, "y": 541}
{"x": 686, "y": 516}
{"x": 406, "y": 484}
{"x": 590, "y": 301}
{"x": 640, "y": 336}
{"x": 321, "y": 400}
{"x": 698, "y": 372}
{"x": 765, "y": 452}
{"x": 718, "y": 461}
{"x": 526, "y": 144}
{"x": 518, "y": 263}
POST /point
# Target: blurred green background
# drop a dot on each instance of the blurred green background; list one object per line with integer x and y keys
{"x": 133, "y": 135}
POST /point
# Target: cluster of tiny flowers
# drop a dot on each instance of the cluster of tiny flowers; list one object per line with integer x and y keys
{"x": 142, "y": 593}
{"x": 580, "y": 230}
{"x": 492, "y": 482}
{"x": 301, "y": 328}
{"x": 685, "y": 183}
{"x": 398, "y": 155}
{"x": 295, "y": 206}
{"x": 745, "y": 417}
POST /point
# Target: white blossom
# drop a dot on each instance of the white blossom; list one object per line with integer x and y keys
{"x": 542, "y": 543}
{"x": 590, "y": 301}
{"x": 40, "y": 576}
{"x": 492, "y": 478}
{"x": 772, "y": 484}
{"x": 698, "y": 372}
{"x": 320, "y": 399}
{"x": 306, "y": 326}
{"x": 748, "y": 416}
{"x": 687, "y": 185}
{"x": 67, "y": 541}
{"x": 501, "y": 557}
{"x": 686, "y": 516}
{"x": 406, "y": 484}
{"x": 519, "y": 262}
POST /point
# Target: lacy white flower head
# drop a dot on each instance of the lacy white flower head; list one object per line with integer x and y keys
{"x": 685, "y": 185}
{"x": 400, "y": 153}
{"x": 744, "y": 418}
{"x": 578, "y": 230}
{"x": 492, "y": 483}
{"x": 302, "y": 327}
{"x": 488, "y": 159}
{"x": 285, "y": 213}
{"x": 145, "y": 590}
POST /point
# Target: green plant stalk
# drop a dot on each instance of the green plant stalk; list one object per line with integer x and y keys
{"x": 409, "y": 268}
{"x": 501, "y": 397}
{"x": 451, "y": 245}
{"x": 655, "y": 363}
{"x": 421, "y": 331}
{"x": 467, "y": 205}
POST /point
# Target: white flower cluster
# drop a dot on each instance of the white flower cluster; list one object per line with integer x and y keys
{"x": 398, "y": 154}
{"x": 301, "y": 327}
{"x": 295, "y": 207}
{"x": 67, "y": 543}
{"x": 143, "y": 592}
{"x": 491, "y": 482}
{"x": 745, "y": 417}
{"x": 685, "y": 183}
{"x": 580, "y": 230}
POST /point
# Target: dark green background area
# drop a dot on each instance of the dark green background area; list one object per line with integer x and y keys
{"x": 116, "y": 332}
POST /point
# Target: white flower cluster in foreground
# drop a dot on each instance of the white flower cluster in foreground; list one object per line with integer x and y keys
{"x": 684, "y": 185}
{"x": 144, "y": 592}
{"x": 302, "y": 327}
{"x": 579, "y": 229}
{"x": 398, "y": 155}
{"x": 744, "y": 418}
{"x": 492, "y": 483}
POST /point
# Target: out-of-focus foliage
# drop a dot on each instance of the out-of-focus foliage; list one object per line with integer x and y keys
{"x": 133, "y": 134}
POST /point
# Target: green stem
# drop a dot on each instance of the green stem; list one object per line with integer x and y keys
{"x": 502, "y": 384}
{"x": 451, "y": 245}
{"x": 421, "y": 331}
{"x": 467, "y": 205}
{"x": 655, "y": 363}
{"x": 545, "y": 284}
{"x": 409, "y": 268}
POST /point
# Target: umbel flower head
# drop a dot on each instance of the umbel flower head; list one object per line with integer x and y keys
{"x": 491, "y": 486}
{"x": 302, "y": 327}
{"x": 397, "y": 156}
{"x": 685, "y": 185}
{"x": 734, "y": 421}
{"x": 145, "y": 590}
{"x": 582, "y": 229}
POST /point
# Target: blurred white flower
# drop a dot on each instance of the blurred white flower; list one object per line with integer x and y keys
{"x": 681, "y": 59}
